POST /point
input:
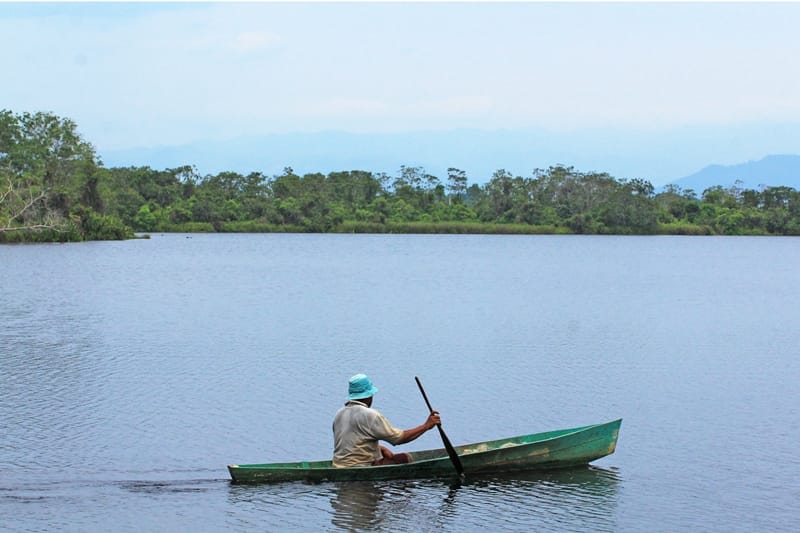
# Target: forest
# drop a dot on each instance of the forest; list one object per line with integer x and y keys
{"x": 54, "y": 188}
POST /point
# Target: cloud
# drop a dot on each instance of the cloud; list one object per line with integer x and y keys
{"x": 173, "y": 72}
{"x": 346, "y": 106}
{"x": 254, "y": 41}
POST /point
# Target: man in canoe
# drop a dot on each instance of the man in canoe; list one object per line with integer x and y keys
{"x": 357, "y": 428}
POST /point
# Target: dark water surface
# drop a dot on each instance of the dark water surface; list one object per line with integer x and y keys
{"x": 132, "y": 372}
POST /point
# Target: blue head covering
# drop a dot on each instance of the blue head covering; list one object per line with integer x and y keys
{"x": 360, "y": 387}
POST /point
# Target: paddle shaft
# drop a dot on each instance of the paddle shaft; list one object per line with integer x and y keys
{"x": 447, "y": 446}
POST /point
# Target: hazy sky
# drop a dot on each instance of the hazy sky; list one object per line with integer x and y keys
{"x": 150, "y": 74}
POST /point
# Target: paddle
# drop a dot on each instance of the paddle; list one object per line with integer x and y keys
{"x": 447, "y": 446}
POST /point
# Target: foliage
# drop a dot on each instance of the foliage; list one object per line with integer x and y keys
{"x": 52, "y": 188}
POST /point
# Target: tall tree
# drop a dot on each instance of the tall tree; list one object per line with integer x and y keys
{"x": 45, "y": 169}
{"x": 456, "y": 184}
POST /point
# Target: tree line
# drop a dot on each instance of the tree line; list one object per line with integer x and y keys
{"x": 53, "y": 187}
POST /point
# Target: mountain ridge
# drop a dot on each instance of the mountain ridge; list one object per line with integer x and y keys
{"x": 770, "y": 171}
{"x": 659, "y": 157}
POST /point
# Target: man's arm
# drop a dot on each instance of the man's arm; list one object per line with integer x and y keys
{"x": 414, "y": 433}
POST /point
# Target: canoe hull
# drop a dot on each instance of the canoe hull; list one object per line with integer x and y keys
{"x": 538, "y": 451}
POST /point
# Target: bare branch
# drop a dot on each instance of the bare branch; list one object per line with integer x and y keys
{"x": 21, "y": 205}
{"x": 7, "y": 193}
{"x": 33, "y": 227}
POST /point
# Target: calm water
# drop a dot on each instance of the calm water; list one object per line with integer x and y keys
{"x": 132, "y": 372}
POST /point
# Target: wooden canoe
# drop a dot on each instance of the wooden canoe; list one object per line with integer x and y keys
{"x": 538, "y": 451}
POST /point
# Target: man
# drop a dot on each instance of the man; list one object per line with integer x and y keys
{"x": 357, "y": 428}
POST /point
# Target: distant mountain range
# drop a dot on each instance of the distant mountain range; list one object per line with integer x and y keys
{"x": 479, "y": 153}
{"x": 658, "y": 156}
{"x": 771, "y": 171}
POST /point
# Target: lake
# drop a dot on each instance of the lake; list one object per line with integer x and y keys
{"x": 132, "y": 373}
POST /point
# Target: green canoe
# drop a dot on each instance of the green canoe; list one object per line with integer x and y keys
{"x": 538, "y": 451}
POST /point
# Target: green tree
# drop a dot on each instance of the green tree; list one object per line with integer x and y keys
{"x": 632, "y": 208}
{"x": 145, "y": 219}
{"x": 498, "y": 198}
{"x": 674, "y": 204}
{"x": 456, "y": 184}
{"x": 720, "y": 196}
{"x": 49, "y": 178}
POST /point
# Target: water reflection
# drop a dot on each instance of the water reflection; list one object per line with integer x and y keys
{"x": 590, "y": 479}
{"x": 566, "y": 499}
{"x": 356, "y": 505}
{"x": 557, "y": 500}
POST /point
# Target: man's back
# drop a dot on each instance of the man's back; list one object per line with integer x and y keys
{"x": 357, "y": 429}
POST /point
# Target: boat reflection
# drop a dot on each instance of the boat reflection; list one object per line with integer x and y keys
{"x": 561, "y": 499}
{"x": 356, "y": 505}
{"x": 590, "y": 479}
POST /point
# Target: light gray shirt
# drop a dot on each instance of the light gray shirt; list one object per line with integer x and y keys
{"x": 356, "y": 432}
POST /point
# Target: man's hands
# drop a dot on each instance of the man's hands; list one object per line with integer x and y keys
{"x": 433, "y": 420}
{"x": 413, "y": 433}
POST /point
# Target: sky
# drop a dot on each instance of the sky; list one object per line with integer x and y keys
{"x": 149, "y": 74}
